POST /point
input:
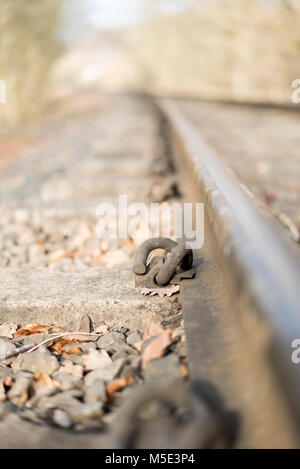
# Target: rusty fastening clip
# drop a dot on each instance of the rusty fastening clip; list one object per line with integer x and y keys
{"x": 154, "y": 277}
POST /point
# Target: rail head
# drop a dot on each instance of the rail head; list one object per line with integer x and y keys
{"x": 262, "y": 264}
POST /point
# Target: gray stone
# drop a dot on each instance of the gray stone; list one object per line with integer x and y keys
{"x": 134, "y": 361}
{"x": 6, "y": 346}
{"x": 86, "y": 346}
{"x": 165, "y": 367}
{"x": 35, "y": 254}
{"x": 61, "y": 400}
{"x": 95, "y": 392}
{"x": 136, "y": 323}
{"x": 75, "y": 358}
{"x": 67, "y": 381}
{"x": 133, "y": 338}
{"x": 172, "y": 321}
{"x": 128, "y": 371}
{"x": 8, "y": 329}
{"x": 5, "y": 371}
{"x": 18, "y": 393}
{"x": 83, "y": 324}
{"x": 82, "y": 412}
{"x": 4, "y": 410}
{"x": 40, "y": 361}
{"x": 108, "y": 373}
{"x": 180, "y": 349}
{"x": 122, "y": 351}
{"x": 106, "y": 342}
{"x": 61, "y": 419}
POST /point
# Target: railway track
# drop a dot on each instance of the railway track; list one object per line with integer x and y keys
{"x": 240, "y": 310}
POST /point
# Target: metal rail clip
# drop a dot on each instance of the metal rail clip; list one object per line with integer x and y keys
{"x": 162, "y": 275}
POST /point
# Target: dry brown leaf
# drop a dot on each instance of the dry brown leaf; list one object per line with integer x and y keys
{"x": 184, "y": 370}
{"x": 104, "y": 246}
{"x": 8, "y": 381}
{"x": 295, "y": 186}
{"x": 269, "y": 196}
{"x": 59, "y": 254}
{"x": 157, "y": 347}
{"x": 95, "y": 255}
{"x": 30, "y": 329}
{"x": 82, "y": 337}
{"x": 128, "y": 244}
{"x": 41, "y": 243}
{"x": 42, "y": 383}
{"x": 58, "y": 345}
{"x": 73, "y": 351}
{"x": 118, "y": 385}
{"x": 95, "y": 359}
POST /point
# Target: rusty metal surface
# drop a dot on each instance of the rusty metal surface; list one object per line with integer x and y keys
{"x": 259, "y": 311}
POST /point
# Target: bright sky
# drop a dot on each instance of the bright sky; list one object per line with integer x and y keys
{"x": 107, "y": 14}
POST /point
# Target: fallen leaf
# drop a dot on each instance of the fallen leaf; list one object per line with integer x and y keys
{"x": 118, "y": 385}
{"x": 8, "y": 381}
{"x": 157, "y": 347}
{"x": 58, "y": 345}
{"x": 42, "y": 383}
{"x": 128, "y": 244}
{"x": 269, "y": 196}
{"x": 104, "y": 246}
{"x": 95, "y": 359}
{"x": 59, "y": 254}
{"x": 8, "y": 329}
{"x": 72, "y": 351}
{"x": 41, "y": 243}
{"x": 30, "y": 329}
{"x": 95, "y": 255}
{"x": 184, "y": 370}
{"x": 295, "y": 186}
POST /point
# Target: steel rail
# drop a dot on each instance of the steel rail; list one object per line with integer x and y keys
{"x": 264, "y": 268}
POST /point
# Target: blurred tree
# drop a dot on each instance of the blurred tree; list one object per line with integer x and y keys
{"x": 222, "y": 48}
{"x": 28, "y": 47}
